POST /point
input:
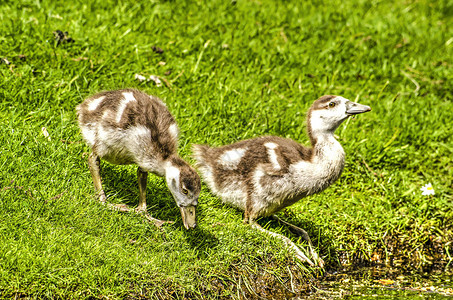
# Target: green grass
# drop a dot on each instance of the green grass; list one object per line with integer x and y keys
{"x": 234, "y": 70}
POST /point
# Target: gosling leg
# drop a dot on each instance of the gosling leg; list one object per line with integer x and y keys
{"x": 142, "y": 181}
{"x": 94, "y": 163}
{"x": 306, "y": 237}
{"x": 142, "y": 177}
{"x": 299, "y": 254}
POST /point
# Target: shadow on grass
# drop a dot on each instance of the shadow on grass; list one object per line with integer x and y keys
{"x": 201, "y": 240}
{"x": 119, "y": 182}
{"x": 123, "y": 184}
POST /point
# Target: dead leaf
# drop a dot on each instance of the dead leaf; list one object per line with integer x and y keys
{"x": 157, "y": 49}
{"x": 79, "y": 58}
{"x": 156, "y": 80}
{"x": 140, "y": 77}
{"x": 62, "y": 37}
{"x": 385, "y": 281}
{"x": 45, "y": 133}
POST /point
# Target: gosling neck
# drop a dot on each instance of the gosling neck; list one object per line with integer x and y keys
{"x": 322, "y": 139}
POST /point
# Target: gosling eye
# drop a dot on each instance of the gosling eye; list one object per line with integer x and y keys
{"x": 185, "y": 191}
{"x": 332, "y": 104}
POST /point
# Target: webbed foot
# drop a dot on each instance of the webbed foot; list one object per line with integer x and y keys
{"x": 124, "y": 208}
{"x": 297, "y": 251}
{"x": 319, "y": 261}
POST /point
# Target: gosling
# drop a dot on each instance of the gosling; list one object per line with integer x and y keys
{"x": 130, "y": 127}
{"x": 263, "y": 175}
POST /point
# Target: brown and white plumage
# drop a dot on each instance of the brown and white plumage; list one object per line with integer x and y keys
{"x": 130, "y": 127}
{"x": 266, "y": 174}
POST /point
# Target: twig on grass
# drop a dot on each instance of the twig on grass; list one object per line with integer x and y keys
{"x": 19, "y": 187}
{"x": 69, "y": 142}
{"x": 167, "y": 83}
{"x": 417, "y": 86}
{"x": 57, "y": 196}
{"x": 371, "y": 170}
{"x": 177, "y": 76}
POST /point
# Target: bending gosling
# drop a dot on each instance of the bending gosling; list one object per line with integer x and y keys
{"x": 264, "y": 175}
{"x": 130, "y": 127}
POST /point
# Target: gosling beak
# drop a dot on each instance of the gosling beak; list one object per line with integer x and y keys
{"x": 188, "y": 216}
{"x": 353, "y": 108}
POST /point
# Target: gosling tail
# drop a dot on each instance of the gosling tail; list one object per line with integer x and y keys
{"x": 202, "y": 155}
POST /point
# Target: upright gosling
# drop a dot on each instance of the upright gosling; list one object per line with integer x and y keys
{"x": 266, "y": 174}
{"x": 130, "y": 127}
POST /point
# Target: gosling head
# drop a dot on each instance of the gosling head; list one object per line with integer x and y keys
{"x": 185, "y": 185}
{"x": 328, "y": 112}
